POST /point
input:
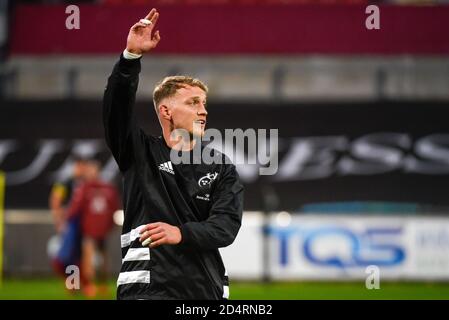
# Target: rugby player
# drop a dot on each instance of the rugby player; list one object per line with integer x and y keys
{"x": 177, "y": 216}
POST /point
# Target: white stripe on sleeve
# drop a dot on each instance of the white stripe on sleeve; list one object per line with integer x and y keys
{"x": 133, "y": 277}
{"x": 137, "y": 254}
{"x": 128, "y": 238}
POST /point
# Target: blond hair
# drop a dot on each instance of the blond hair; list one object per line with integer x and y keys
{"x": 170, "y": 85}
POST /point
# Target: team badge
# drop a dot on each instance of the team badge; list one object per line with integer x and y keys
{"x": 207, "y": 179}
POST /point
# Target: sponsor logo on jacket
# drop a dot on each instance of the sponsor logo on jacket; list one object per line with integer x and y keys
{"x": 167, "y": 167}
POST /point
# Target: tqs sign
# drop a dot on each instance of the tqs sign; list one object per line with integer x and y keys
{"x": 303, "y": 158}
{"x": 342, "y": 246}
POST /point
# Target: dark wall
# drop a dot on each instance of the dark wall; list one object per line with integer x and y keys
{"x": 327, "y": 152}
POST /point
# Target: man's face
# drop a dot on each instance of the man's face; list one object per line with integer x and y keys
{"x": 188, "y": 110}
{"x": 78, "y": 169}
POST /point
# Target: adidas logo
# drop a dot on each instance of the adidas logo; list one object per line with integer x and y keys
{"x": 167, "y": 167}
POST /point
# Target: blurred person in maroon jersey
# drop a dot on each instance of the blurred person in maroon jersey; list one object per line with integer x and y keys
{"x": 62, "y": 191}
{"x": 69, "y": 234}
{"x": 94, "y": 202}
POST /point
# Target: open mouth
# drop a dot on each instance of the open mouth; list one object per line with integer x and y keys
{"x": 202, "y": 122}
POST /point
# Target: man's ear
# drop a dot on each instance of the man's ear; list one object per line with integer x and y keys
{"x": 164, "y": 112}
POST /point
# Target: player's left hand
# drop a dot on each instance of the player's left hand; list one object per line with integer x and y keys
{"x": 160, "y": 233}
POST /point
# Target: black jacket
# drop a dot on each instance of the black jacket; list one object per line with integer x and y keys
{"x": 204, "y": 200}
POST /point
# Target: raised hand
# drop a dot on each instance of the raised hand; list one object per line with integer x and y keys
{"x": 141, "y": 38}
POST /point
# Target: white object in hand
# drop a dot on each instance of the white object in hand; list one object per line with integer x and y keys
{"x": 146, "y": 21}
{"x": 146, "y": 242}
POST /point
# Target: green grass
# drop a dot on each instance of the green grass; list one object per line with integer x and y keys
{"x": 339, "y": 291}
{"x": 53, "y": 289}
